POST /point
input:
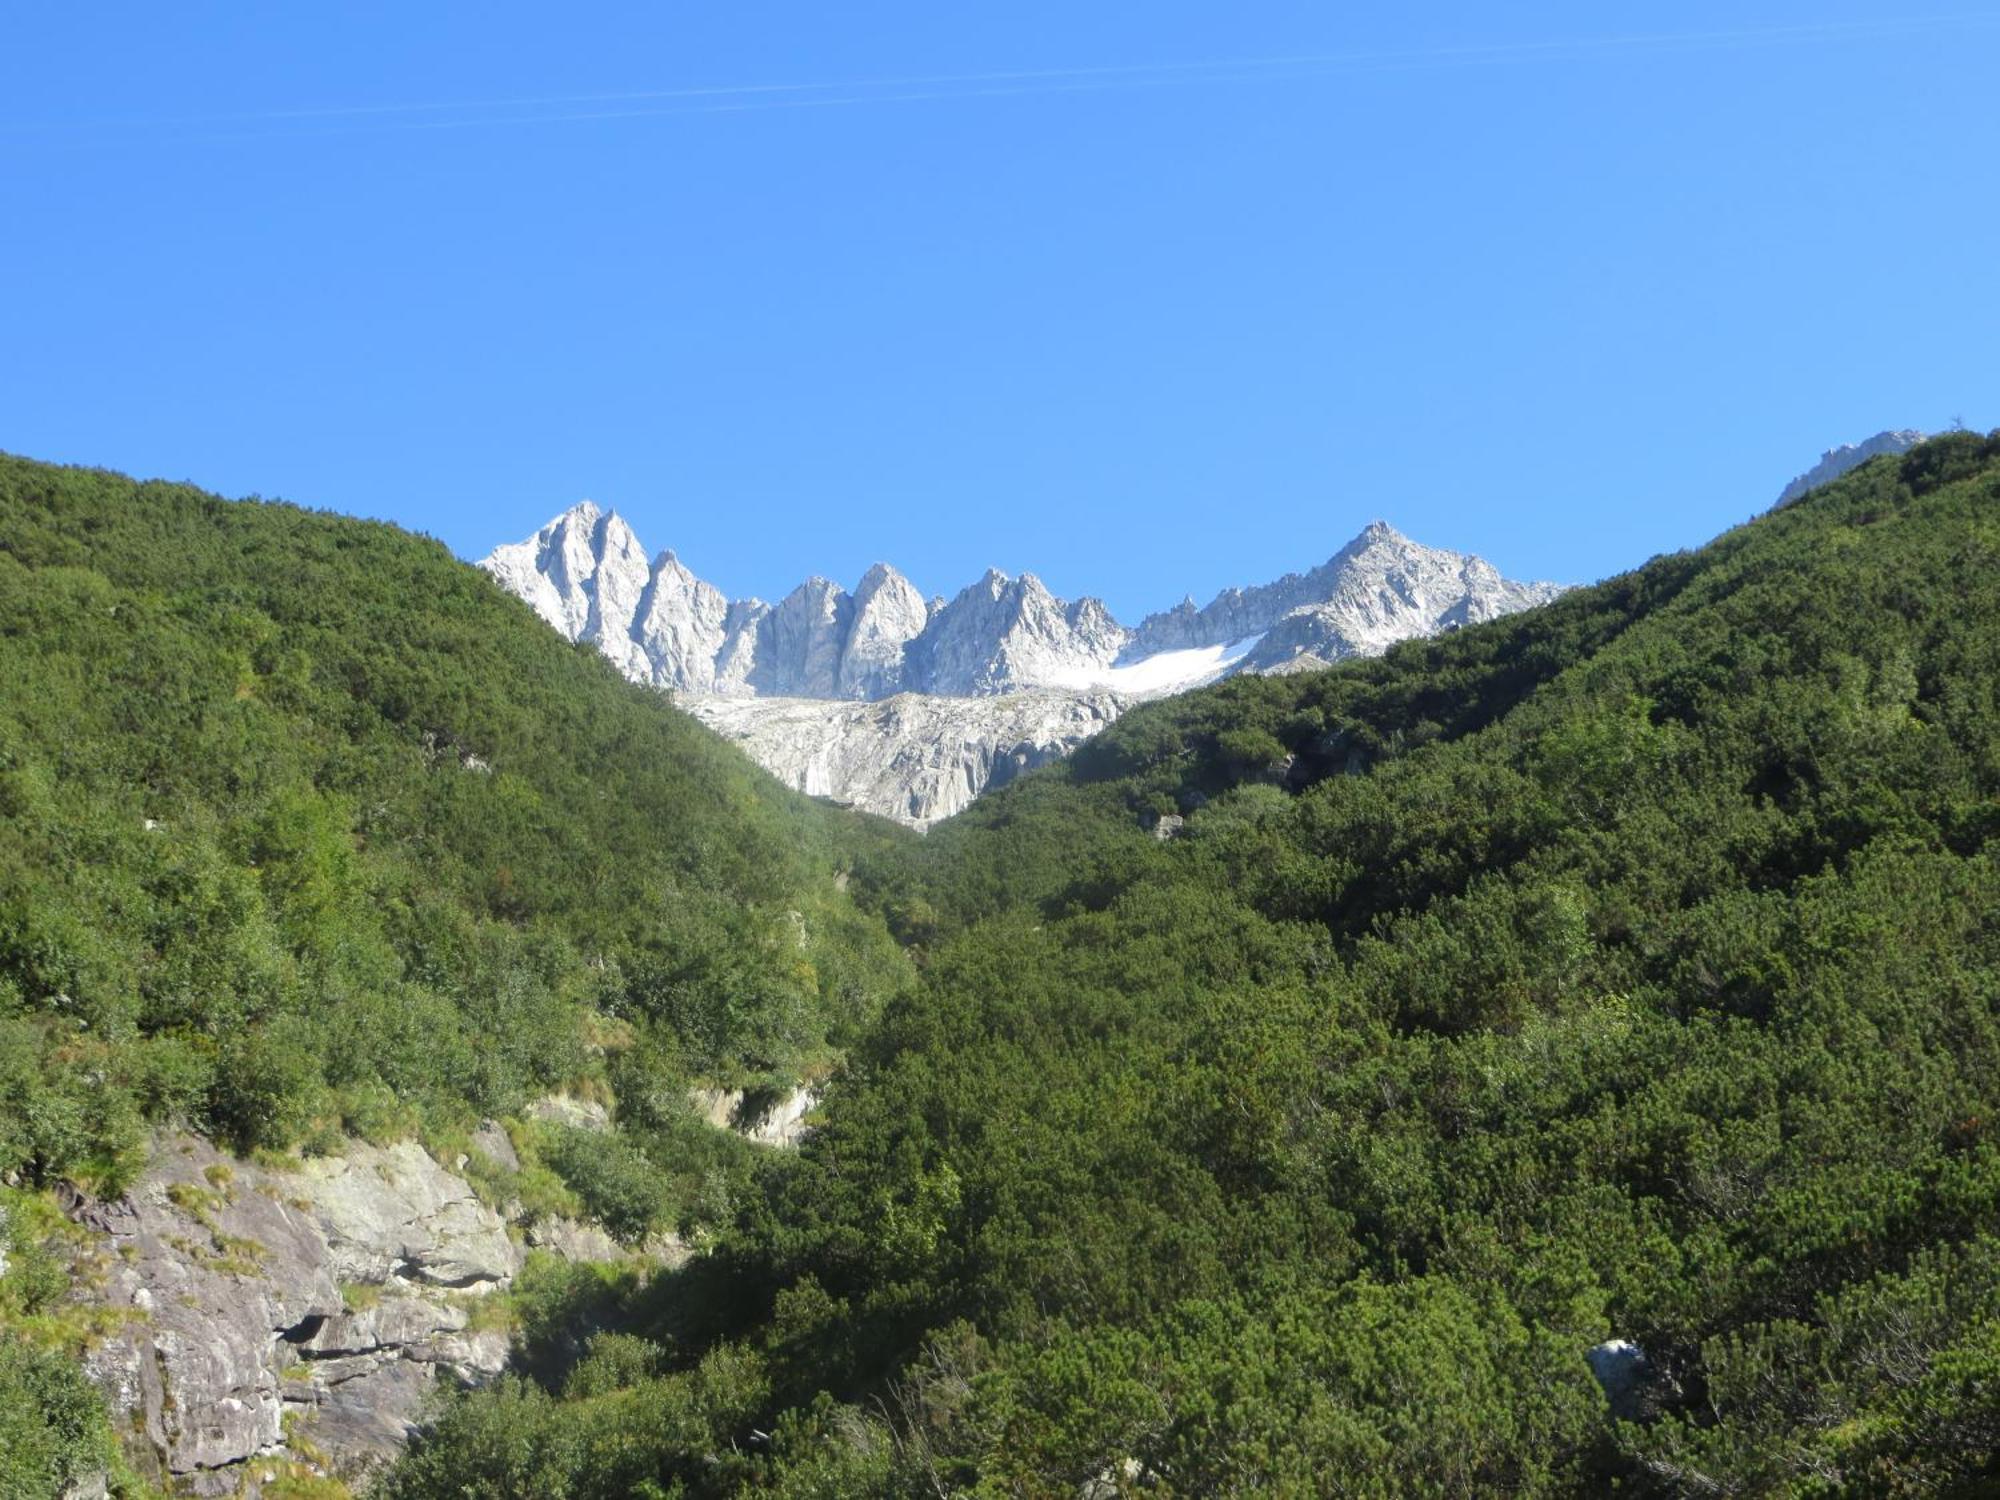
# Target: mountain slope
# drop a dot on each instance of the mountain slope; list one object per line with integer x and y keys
{"x": 308, "y": 830}
{"x": 1848, "y": 456}
{"x": 1585, "y": 1015}
{"x": 261, "y": 764}
{"x": 586, "y": 574}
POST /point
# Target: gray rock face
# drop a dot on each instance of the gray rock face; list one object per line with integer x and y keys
{"x": 563, "y": 1109}
{"x": 244, "y": 1290}
{"x": 1837, "y": 461}
{"x": 1379, "y": 589}
{"x": 575, "y": 1240}
{"x": 912, "y": 757}
{"x": 769, "y": 1122}
{"x": 889, "y": 613}
{"x": 903, "y": 708}
{"x": 1005, "y": 633}
{"x": 586, "y": 574}
{"x": 391, "y": 1214}
{"x": 804, "y": 640}
{"x": 682, "y": 628}
{"x": 491, "y": 1142}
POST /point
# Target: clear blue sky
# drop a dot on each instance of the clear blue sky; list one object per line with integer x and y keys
{"x": 1147, "y": 298}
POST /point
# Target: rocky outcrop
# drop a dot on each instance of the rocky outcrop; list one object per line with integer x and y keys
{"x": 268, "y": 1318}
{"x": 273, "y": 1312}
{"x": 1837, "y": 461}
{"x": 567, "y": 1110}
{"x": 767, "y": 1120}
{"x": 919, "y": 759}
{"x": 913, "y": 758}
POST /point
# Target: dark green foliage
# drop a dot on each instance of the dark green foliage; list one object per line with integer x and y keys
{"x": 1627, "y": 968}
{"x": 612, "y": 1178}
{"x": 307, "y": 825}
{"x": 52, "y": 1428}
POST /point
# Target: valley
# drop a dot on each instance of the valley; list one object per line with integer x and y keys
{"x": 1551, "y": 1051}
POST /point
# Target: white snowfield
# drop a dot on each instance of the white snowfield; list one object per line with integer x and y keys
{"x": 1161, "y": 674}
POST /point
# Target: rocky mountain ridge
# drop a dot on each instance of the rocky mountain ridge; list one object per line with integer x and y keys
{"x": 906, "y": 707}
{"x": 587, "y": 575}
{"x": 1837, "y": 461}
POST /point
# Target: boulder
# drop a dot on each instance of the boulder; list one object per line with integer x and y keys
{"x": 575, "y": 1240}
{"x": 1622, "y": 1373}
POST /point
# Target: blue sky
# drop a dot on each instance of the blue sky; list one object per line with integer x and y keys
{"x": 1147, "y": 298}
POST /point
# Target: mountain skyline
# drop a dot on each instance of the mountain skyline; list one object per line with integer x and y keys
{"x": 588, "y": 561}
{"x": 912, "y": 708}
{"x": 586, "y": 573}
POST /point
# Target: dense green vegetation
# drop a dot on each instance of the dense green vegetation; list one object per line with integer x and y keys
{"x": 1629, "y": 968}
{"x": 307, "y": 826}
{"x": 1625, "y": 969}
{"x": 308, "y": 829}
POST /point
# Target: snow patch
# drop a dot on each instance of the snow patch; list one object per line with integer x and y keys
{"x": 1162, "y": 672}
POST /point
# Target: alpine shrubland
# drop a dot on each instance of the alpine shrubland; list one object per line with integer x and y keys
{"x": 1623, "y": 969}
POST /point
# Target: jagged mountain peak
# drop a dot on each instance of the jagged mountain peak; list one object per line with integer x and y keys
{"x": 585, "y": 573}
{"x": 880, "y": 575}
{"x": 999, "y": 635}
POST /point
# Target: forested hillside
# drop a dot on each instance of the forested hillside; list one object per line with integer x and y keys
{"x": 1623, "y": 970}
{"x": 308, "y": 829}
{"x": 1286, "y": 1096}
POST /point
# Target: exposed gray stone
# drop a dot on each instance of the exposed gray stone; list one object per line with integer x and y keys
{"x": 393, "y": 1213}
{"x": 565, "y": 1109}
{"x": 217, "y": 1273}
{"x": 574, "y": 1240}
{"x": 491, "y": 1142}
{"x": 232, "y": 1276}
{"x": 957, "y": 697}
{"x": 769, "y": 1122}
{"x": 666, "y": 1248}
{"x": 1837, "y": 461}
{"x": 1622, "y": 1370}
{"x": 913, "y": 757}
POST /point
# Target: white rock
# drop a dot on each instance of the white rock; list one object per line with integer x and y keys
{"x": 393, "y": 1212}
{"x": 566, "y": 1109}
{"x": 889, "y": 613}
{"x": 781, "y": 1124}
{"x": 913, "y": 757}
{"x": 1620, "y": 1368}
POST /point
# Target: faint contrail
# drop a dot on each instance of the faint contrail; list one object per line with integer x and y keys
{"x": 752, "y": 97}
